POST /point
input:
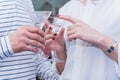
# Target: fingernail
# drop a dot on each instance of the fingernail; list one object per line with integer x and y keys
{"x": 55, "y": 34}
{"x": 74, "y": 38}
{"x": 58, "y": 15}
{"x": 53, "y": 38}
{"x": 50, "y": 27}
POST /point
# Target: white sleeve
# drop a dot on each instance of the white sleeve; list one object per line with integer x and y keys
{"x": 117, "y": 65}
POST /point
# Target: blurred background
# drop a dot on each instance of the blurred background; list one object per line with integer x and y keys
{"x": 49, "y": 5}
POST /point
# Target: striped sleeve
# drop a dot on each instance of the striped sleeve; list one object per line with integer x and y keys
{"x": 46, "y": 70}
{"x": 5, "y": 48}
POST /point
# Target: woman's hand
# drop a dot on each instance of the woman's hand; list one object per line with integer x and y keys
{"x": 56, "y": 42}
{"x": 53, "y": 40}
{"x": 81, "y": 30}
{"x": 27, "y": 38}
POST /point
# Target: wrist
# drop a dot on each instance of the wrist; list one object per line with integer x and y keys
{"x": 107, "y": 44}
{"x": 110, "y": 48}
{"x": 62, "y": 56}
{"x": 62, "y": 53}
{"x": 104, "y": 43}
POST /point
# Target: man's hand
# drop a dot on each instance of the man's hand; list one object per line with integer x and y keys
{"x": 27, "y": 38}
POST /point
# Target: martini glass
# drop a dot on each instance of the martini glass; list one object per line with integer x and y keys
{"x": 40, "y": 18}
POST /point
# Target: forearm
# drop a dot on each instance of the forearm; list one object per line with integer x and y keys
{"x": 104, "y": 43}
{"x": 62, "y": 56}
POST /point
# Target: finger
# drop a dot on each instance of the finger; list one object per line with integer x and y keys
{"x": 46, "y": 25}
{"x": 35, "y": 36}
{"x": 71, "y": 31}
{"x": 41, "y": 32}
{"x": 31, "y": 48}
{"x": 34, "y": 43}
{"x": 31, "y": 28}
{"x": 34, "y": 30}
{"x": 49, "y": 41}
{"x": 68, "y": 18}
{"x": 61, "y": 32}
{"x": 49, "y": 30}
{"x": 72, "y": 27}
{"x": 72, "y": 37}
{"x": 49, "y": 36}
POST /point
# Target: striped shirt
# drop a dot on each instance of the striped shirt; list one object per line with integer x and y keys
{"x": 24, "y": 65}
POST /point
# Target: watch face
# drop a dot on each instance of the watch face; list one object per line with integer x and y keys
{"x": 112, "y": 47}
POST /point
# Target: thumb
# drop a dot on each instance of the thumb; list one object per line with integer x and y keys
{"x": 46, "y": 25}
{"x": 62, "y": 31}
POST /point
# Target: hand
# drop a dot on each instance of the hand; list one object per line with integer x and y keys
{"x": 53, "y": 40}
{"x": 27, "y": 39}
{"x": 56, "y": 42}
{"x": 80, "y": 30}
{"x": 84, "y": 32}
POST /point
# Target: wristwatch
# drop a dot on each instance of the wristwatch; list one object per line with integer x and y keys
{"x": 112, "y": 47}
